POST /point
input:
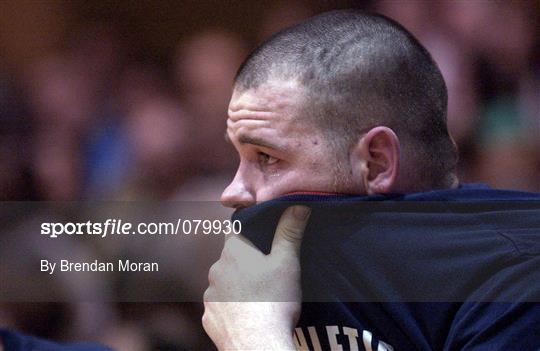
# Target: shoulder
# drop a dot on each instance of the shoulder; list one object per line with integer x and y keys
{"x": 15, "y": 341}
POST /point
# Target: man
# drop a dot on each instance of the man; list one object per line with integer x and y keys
{"x": 351, "y": 103}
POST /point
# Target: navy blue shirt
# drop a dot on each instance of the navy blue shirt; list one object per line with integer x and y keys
{"x": 441, "y": 270}
{"x": 14, "y": 341}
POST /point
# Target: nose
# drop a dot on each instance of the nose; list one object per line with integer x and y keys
{"x": 237, "y": 194}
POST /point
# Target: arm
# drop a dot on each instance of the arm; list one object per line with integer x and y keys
{"x": 496, "y": 326}
{"x": 253, "y": 301}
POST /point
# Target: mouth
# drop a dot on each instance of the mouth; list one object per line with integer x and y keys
{"x": 321, "y": 193}
{"x": 298, "y": 192}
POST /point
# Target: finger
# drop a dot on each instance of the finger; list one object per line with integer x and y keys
{"x": 213, "y": 273}
{"x": 290, "y": 230}
{"x": 208, "y": 295}
{"x": 239, "y": 247}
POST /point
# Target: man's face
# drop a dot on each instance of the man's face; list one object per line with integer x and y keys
{"x": 280, "y": 150}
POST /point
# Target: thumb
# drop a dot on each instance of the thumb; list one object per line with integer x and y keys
{"x": 290, "y": 230}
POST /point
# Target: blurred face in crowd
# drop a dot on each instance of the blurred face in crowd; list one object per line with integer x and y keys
{"x": 280, "y": 152}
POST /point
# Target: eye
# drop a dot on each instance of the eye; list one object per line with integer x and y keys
{"x": 266, "y": 159}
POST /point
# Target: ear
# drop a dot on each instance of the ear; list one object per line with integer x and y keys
{"x": 375, "y": 160}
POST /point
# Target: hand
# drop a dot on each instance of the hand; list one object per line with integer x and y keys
{"x": 253, "y": 301}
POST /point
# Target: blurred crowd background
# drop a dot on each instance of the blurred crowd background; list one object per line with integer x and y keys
{"x": 123, "y": 100}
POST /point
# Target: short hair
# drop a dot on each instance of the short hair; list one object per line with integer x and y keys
{"x": 359, "y": 71}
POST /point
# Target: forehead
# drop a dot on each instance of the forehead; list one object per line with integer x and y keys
{"x": 283, "y": 97}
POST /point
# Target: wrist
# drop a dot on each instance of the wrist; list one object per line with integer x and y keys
{"x": 265, "y": 340}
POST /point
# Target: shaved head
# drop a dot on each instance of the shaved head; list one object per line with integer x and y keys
{"x": 358, "y": 71}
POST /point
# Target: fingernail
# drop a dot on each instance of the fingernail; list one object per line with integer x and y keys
{"x": 301, "y": 212}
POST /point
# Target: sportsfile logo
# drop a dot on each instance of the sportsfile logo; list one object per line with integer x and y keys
{"x": 120, "y": 227}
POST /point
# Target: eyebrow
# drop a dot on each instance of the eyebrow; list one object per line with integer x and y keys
{"x": 245, "y": 139}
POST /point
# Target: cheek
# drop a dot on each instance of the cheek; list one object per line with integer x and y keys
{"x": 283, "y": 182}
{"x": 276, "y": 184}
